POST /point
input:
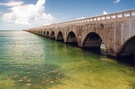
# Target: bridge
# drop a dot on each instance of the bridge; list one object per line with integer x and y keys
{"x": 115, "y": 30}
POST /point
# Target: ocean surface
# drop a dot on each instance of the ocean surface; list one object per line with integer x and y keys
{"x": 29, "y": 61}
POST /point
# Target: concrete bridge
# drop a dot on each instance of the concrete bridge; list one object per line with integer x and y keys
{"x": 116, "y": 31}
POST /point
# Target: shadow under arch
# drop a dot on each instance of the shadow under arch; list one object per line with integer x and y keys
{"x": 71, "y": 39}
{"x": 93, "y": 42}
{"x": 60, "y": 37}
{"x": 41, "y": 33}
{"x": 44, "y": 33}
{"x": 38, "y": 32}
{"x": 127, "y": 52}
{"x": 47, "y": 34}
{"x": 52, "y": 35}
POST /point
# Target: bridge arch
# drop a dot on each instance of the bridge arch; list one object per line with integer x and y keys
{"x": 38, "y": 32}
{"x": 44, "y": 33}
{"x": 41, "y": 32}
{"x": 126, "y": 54}
{"x": 71, "y": 38}
{"x": 52, "y": 35}
{"x": 60, "y": 36}
{"x": 47, "y": 34}
{"x": 94, "y": 42}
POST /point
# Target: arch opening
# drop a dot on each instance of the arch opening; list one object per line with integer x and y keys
{"x": 44, "y": 33}
{"x": 60, "y": 37}
{"x": 47, "y": 34}
{"x": 94, "y": 43}
{"x": 71, "y": 39}
{"x": 41, "y": 33}
{"x": 127, "y": 52}
{"x": 52, "y": 35}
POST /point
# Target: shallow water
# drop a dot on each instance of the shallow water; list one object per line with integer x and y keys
{"x": 28, "y": 61}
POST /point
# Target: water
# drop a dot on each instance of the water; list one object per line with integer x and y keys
{"x": 28, "y": 61}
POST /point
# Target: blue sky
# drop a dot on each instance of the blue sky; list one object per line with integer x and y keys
{"x": 21, "y": 14}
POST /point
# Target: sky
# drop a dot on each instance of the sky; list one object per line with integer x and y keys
{"x": 23, "y": 14}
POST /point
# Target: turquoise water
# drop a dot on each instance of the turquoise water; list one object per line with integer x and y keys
{"x": 28, "y": 61}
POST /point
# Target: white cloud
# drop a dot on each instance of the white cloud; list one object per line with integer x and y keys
{"x": 104, "y": 13}
{"x": 12, "y": 3}
{"x": 116, "y": 1}
{"x": 80, "y": 18}
{"x": 29, "y": 14}
{"x": 1, "y": 12}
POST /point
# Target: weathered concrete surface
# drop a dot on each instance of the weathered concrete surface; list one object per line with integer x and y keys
{"x": 115, "y": 30}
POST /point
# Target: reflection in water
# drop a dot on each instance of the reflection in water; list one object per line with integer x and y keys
{"x": 28, "y": 61}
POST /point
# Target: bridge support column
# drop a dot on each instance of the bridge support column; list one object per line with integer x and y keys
{"x": 111, "y": 53}
{"x": 80, "y": 45}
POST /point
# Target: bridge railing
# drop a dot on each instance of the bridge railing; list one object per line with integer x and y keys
{"x": 118, "y": 15}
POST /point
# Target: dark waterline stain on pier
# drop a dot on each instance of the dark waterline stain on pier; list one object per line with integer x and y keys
{"x": 28, "y": 61}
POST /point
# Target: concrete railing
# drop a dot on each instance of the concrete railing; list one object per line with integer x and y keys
{"x": 117, "y": 15}
{"x": 123, "y": 14}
